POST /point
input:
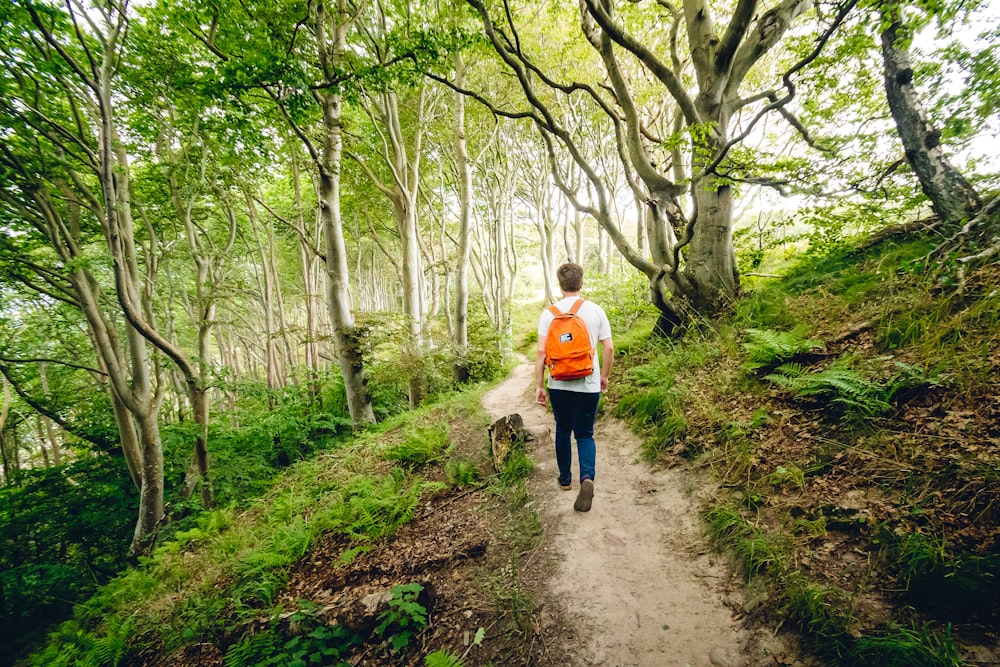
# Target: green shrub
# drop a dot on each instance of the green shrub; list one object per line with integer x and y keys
{"x": 815, "y": 608}
{"x": 756, "y": 550}
{"x": 624, "y": 298}
{"x": 65, "y": 531}
{"x": 660, "y": 412}
{"x": 898, "y": 646}
{"x": 374, "y": 507}
{"x": 789, "y": 474}
{"x": 519, "y": 467}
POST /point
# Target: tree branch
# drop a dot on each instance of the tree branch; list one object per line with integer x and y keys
{"x": 663, "y": 73}
{"x": 735, "y": 32}
{"x": 42, "y": 410}
{"x": 789, "y": 87}
{"x": 298, "y": 230}
{"x": 44, "y": 360}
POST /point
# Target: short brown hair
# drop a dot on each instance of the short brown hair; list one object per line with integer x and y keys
{"x": 570, "y": 277}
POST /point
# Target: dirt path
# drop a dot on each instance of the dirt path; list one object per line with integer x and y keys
{"x": 635, "y": 575}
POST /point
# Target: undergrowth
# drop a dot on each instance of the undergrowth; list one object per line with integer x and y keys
{"x": 821, "y": 384}
{"x": 229, "y": 566}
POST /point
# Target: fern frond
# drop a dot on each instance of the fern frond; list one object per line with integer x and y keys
{"x": 767, "y": 347}
{"x": 443, "y": 658}
{"x": 855, "y": 396}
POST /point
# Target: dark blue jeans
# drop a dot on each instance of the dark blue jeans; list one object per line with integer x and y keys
{"x": 574, "y": 412}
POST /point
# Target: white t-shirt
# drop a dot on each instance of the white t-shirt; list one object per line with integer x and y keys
{"x": 599, "y": 328}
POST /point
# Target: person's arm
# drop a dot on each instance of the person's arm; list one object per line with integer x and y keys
{"x": 540, "y": 396}
{"x": 607, "y": 360}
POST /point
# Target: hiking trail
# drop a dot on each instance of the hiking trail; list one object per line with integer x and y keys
{"x": 636, "y": 579}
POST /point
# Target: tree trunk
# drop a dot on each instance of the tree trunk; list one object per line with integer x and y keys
{"x": 308, "y": 260}
{"x": 464, "y": 171}
{"x": 50, "y": 431}
{"x": 274, "y": 367}
{"x": 347, "y": 337}
{"x": 4, "y": 411}
{"x": 42, "y": 440}
{"x": 711, "y": 260}
{"x": 402, "y": 157}
{"x": 151, "y": 490}
{"x": 3, "y": 455}
{"x": 951, "y": 196}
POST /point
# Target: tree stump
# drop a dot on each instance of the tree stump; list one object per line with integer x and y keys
{"x": 506, "y": 433}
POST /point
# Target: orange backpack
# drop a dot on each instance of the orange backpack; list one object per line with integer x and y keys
{"x": 568, "y": 352}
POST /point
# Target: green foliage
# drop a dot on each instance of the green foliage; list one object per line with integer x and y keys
{"x": 899, "y": 646}
{"x": 814, "y": 608}
{"x": 856, "y": 397}
{"x": 624, "y": 298}
{"x": 788, "y": 474}
{"x": 373, "y": 507}
{"x": 519, "y": 467}
{"x": 404, "y": 618}
{"x": 733, "y": 437}
{"x": 269, "y": 430}
{"x": 765, "y": 347}
{"x": 422, "y": 446}
{"x": 65, "y": 531}
{"x": 461, "y": 472}
{"x": 834, "y": 228}
{"x": 761, "y": 238}
{"x": 84, "y": 649}
{"x": 755, "y": 550}
{"x": 660, "y": 411}
{"x": 512, "y": 597}
{"x": 443, "y": 658}
{"x": 313, "y": 643}
{"x": 918, "y": 554}
{"x": 484, "y": 359}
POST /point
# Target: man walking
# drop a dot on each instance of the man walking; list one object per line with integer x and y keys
{"x": 574, "y": 401}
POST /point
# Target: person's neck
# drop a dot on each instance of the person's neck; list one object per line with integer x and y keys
{"x": 567, "y": 295}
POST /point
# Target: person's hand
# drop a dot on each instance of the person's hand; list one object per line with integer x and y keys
{"x": 540, "y": 396}
{"x": 604, "y": 383}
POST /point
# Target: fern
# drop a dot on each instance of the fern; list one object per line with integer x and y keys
{"x": 766, "y": 347}
{"x": 855, "y": 396}
{"x": 910, "y": 377}
{"x": 461, "y": 472}
{"x": 108, "y": 650}
{"x": 422, "y": 446}
{"x": 443, "y": 658}
{"x": 252, "y": 649}
{"x": 375, "y": 507}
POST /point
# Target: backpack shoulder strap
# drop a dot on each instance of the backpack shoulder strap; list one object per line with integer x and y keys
{"x": 576, "y": 306}
{"x": 555, "y": 311}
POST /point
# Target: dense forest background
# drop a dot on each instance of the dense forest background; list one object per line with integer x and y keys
{"x": 235, "y": 234}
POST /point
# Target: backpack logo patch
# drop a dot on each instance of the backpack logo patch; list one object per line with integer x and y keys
{"x": 566, "y": 337}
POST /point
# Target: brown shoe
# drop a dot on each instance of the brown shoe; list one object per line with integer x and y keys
{"x": 566, "y": 487}
{"x": 585, "y": 497}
